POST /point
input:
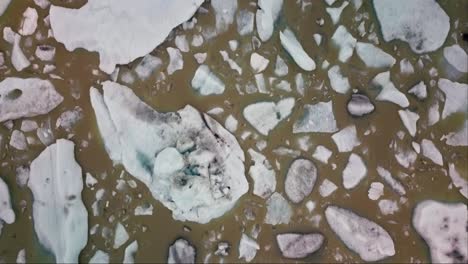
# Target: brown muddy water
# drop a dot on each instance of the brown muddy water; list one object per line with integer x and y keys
{"x": 78, "y": 71}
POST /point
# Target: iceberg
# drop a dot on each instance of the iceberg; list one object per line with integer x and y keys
{"x": 189, "y": 162}
{"x": 119, "y": 30}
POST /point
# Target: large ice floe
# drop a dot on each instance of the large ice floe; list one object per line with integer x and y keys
{"x": 119, "y": 30}
{"x": 408, "y": 21}
{"x": 60, "y": 217}
{"x": 26, "y": 98}
{"x": 369, "y": 240}
{"x": 443, "y": 227}
{"x": 264, "y": 116}
{"x": 189, "y": 162}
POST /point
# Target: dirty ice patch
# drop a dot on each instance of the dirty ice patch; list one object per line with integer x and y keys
{"x": 345, "y": 42}
{"x": 423, "y": 24}
{"x": 59, "y": 215}
{"x": 318, "y": 118}
{"x": 189, "y": 162}
{"x": 278, "y": 210}
{"x": 338, "y": 81}
{"x": 298, "y": 246}
{"x": 265, "y": 116}
{"x": 354, "y": 171}
{"x": 104, "y": 26}
{"x": 300, "y": 180}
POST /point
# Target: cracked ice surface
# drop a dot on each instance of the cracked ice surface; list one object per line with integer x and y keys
{"x": 189, "y": 162}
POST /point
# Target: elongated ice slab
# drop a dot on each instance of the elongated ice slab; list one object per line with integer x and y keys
{"x": 26, "y": 98}
{"x": 206, "y": 82}
{"x": 59, "y": 215}
{"x": 266, "y": 16}
{"x": 360, "y": 234}
{"x": 105, "y": 26}
{"x": 189, "y": 162}
{"x": 294, "y": 48}
{"x": 181, "y": 252}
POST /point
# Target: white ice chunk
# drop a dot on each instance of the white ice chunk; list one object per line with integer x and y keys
{"x": 457, "y": 57}
{"x": 120, "y": 236}
{"x": 245, "y": 22}
{"x": 181, "y": 252}
{"x": 281, "y": 68}
{"x": 318, "y": 118}
{"x": 60, "y": 217}
{"x": 318, "y": 39}
{"x": 394, "y": 183}
{"x": 388, "y": 207}
{"x": 26, "y": 98}
{"x": 335, "y": 12}
{"x": 322, "y": 154}
{"x": 21, "y": 257}
{"x": 258, "y": 62}
{"x": 18, "y": 59}
{"x": 345, "y": 43}
{"x": 298, "y": 246}
{"x": 100, "y": 257}
{"x": 176, "y": 62}
{"x": 346, "y": 139}
{"x": 181, "y": 43}
{"x": 338, "y": 81}
{"x": 455, "y": 97}
{"x": 375, "y": 191}
{"x": 327, "y": 188}
{"x": 248, "y": 248}
{"x": 294, "y": 48}
{"x": 263, "y": 175}
{"x": 232, "y": 64}
{"x": 212, "y": 179}
{"x": 363, "y": 236}
{"x": 458, "y": 180}
{"x": 389, "y": 92}
{"x": 430, "y": 151}
{"x": 206, "y": 82}
{"x": 300, "y": 180}
{"x": 443, "y": 227}
{"x": 4, "y": 5}
{"x": 231, "y": 123}
{"x": 130, "y": 251}
{"x": 423, "y": 24}
{"x": 406, "y": 67}
{"x": 278, "y": 210}
{"x": 69, "y": 118}
{"x": 29, "y": 22}
{"x": 224, "y": 12}
{"x": 45, "y": 52}
{"x": 373, "y": 56}
{"x": 354, "y": 171}
{"x": 264, "y": 116}
{"x": 266, "y": 16}
{"x": 419, "y": 90}
{"x": 7, "y": 214}
{"x": 18, "y": 140}
{"x": 147, "y": 66}
{"x": 104, "y": 26}
{"x": 410, "y": 120}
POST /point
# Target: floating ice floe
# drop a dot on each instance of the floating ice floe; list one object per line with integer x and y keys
{"x": 373, "y": 56}
{"x": 388, "y": 207}
{"x": 338, "y": 81}
{"x": 346, "y": 139}
{"x": 459, "y": 137}
{"x": 278, "y": 210}
{"x": 21, "y": 257}
{"x": 443, "y": 227}
{"x": 281, "y": 68}
{"x": 69, "y": 118}
{"x": 45, "y": 52}
{"x": 181, "y": 251}
{"x": 430, "y": 151}
{"x": 318, "y": 118}
{"x": 322, "y": 154}
{"x": 4, "y": 5}
{"x": 258, "y": 62}
{"x": 245, "y": 22}
{"x": 148, "y": 22}
{"x": 294, "y": 48}
{"x": 335, "y": 12}
{"x": 394, "y": 183}
{"x": 232, "y": 64}
{"x": 457, "y": 57}
{"x": 375, "y": 191}
{"x": 263, "y": 175}
{"x": 406, "y": 67}
{"x": 266, "y": 16}
{"x": 248, "y": 248}
{"x": 455, "y": 97}
{"x": 327, "y": 188}
{"x": 408, "y": 21}
{"x": 7, "y": 214}
{"x": 100, "y": 257}
{"x": 176, "y": 62}
{"x": 18, "y": 59}
{"x": 368, "y": 239}
{"x": 189, "y": 162}
{"x": 59, "y": 215}
{"x": 206, "y": 82}
{"x": 224, "y": 13}
{"x": 410, "y": 120}
{"x": 354, "y": 171}
{"x": 458, "y": 181}
{"x": 389, "y": 92}
{"x": 419, "y": 90}
{"x": 359, "y": 105}
{"x": 147, "y": 66}
{"x": 120, "y": 236}
{"x": 298, "y": 246}
{"x": 29, "y": 22}
{"x": 345, "y": 43}
{"x": 130, "y": 251}
{"x": 18, "y": 140}
{"x": 26, "y": 98}
{"x": 264, "y": 116}
{"x": 300, "y": 180}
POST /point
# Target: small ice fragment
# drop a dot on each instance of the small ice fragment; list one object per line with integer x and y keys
{"x": 318, "y": 39}
{"x": 130, "y": 251}
{"x": 21, "y": 257}
{"x": 42, "y": 3}
{"x": 223, "y": 249}
{"x": 100, "y": 257}
{"x": 410, "y": 120}
{"x": 310, "y": 205}
{"x": 224, "y": 11}
{"x": 346, "y": 139}
{"x": 345, "y": 43}
{"x": 327, "y": 188}
{"x": 247, "y": 248}
{"x": 318, "y": 118}
{"x": 45, "y": 52}
{"x": 120, "y": 236}
{"x": 147, "y": 66}
{"x": 90, "y": 180}
{"x": 18, "y": 59}
{"x": 335, "y": 12}
{"x": 354, "y": 171}
{"x": 390, "y": 180}
{"x": 430, "y": 151}
{"x": 457, "y": 57}
{"x": 200, "y": 57}
{"x": 29, "y": 22}
{"x": 373, "y": 56}
{"x": 322, "y": 154}
{"x": 375, "y": 191}
{"x": 245, "y": 22}
{"x": 18, "y": 140}
{"x": 69, "y": 118}
{"x": 300, "y": 180}
{"x": 359, "y": 105}
{"x": 281, "y": 68}
{"x": 294, "y": 48}
{"x": 263, "y": 175}
{"x": 258, "y": 62}
{"x": 145, "y": 209}
{"x": 389, "y": 92}
{"x": 231, "y": 123}
{"x": 419, "y": 90}
{"x": 206, "y": 82}
{"x": 232, "y": 64}
{"x": 459, "y": 137}
{"x": 278, "y": 210}
{"x": 264, "y": 116}
{"x": 176, "y": 62}
{"x": 388, "y": 207}
{"x": 458, "y": 180}
{"x": 297, "y": 246}
{"x": 455, "y": 97}
{"x": 338, "y": 81}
